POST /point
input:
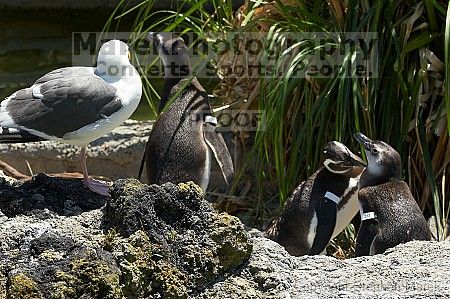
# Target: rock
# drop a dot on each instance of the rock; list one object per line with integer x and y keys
{"x": 65, "y": 197}
{"x": 201, "y": 242}
{"x": 416, "y": 269}
{"x": 58, "y": 240}
{"x": 115, "y": 155}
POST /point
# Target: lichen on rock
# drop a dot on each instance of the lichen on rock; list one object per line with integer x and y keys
{"x": 194, "y": 243}
{"x": 147, "y": 242}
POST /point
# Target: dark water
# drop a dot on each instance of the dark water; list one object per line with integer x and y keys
{"x": 33, "y": 42}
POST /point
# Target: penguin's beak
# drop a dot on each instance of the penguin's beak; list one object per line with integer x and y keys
{"x": 151, "y": 36}
{"x": 154, "y": 38}
{"x": 356, "y": 161}
{"x": 364, "y": 141}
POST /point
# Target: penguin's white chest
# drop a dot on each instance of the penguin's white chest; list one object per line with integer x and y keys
{"x": 206, "y": 170}
{"x": 312, "y": 230}
{"x": 343, "y": 216}
{"x": 349, "y": 210}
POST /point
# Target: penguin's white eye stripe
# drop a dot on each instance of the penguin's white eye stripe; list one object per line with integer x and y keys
{"x": 327, "y": 162}
{"x": 329, "y": 165}
{"x": 5, "y": 130}
{"x": 333, "y": 197}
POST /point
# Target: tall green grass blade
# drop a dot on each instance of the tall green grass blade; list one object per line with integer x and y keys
{"x": 447, "y": 67}
{"x": 421, "y": 40}
{"x": 431, "y": 179}
{"x": 139, "y": 5}
{"x": 185, "y": 15}
{"x": 431, "y": 15}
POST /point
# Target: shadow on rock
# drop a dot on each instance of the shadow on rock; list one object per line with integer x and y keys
{"x": 63, "y": 196}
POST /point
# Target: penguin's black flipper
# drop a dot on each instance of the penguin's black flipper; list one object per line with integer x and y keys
{"x": 143, "y": 160}
{"x": 368, "y": 231}
{"x": 218, "y": 147}
{"x": 326, "y": 211}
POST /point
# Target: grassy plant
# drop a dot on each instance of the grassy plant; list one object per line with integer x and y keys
{"x": 406, "y": 105}
{"x": 343, "y": 245}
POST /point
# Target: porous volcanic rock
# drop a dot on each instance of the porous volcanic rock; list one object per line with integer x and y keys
{"x": 58, "y": 240}
{"x": 417, "y": 269}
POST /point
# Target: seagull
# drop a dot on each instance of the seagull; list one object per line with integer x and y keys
{"x": 75, "y": 105}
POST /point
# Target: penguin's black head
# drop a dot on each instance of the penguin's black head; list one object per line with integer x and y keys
{"x": 173, "y": 52}
{"x": 337, "y": 158}
{"x": 383, "y": 161}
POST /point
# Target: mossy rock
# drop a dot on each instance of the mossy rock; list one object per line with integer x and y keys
{"x": 147, "y": 242}
{"x": 194, "y": 243}
{"x": 22, "y": 285}
{"x": 231, "y": 239}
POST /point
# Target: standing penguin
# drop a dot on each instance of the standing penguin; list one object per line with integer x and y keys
{"x": 183, "y": 138}
{"x": 321, "y": 207}
{"x": 389, "y": 213}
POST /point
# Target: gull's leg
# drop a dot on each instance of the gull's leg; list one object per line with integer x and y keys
{"x": 94, "y": 185}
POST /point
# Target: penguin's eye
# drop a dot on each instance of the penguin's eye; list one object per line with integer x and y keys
{"x": 174, "y": 46}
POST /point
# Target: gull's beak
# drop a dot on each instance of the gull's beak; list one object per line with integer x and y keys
{"x": 129, "y": 55}
{"x": 364, "y": 141}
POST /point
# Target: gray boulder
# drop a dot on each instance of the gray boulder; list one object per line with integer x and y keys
{"x": 147, "y": 242}
{"x": 416, "y": 269}
{"x": 58, "y": 240}
{"x": 115, "y": 155}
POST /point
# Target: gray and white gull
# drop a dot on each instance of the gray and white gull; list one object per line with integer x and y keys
{"x": 75, "y": 105}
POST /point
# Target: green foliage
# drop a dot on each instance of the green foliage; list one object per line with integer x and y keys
{"x": 406, "y": 105}
{"x": 343, "y": 245}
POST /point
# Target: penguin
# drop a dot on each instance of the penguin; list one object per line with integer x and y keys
{"x": 183, "y": 140}
{"x": 321, "y": 207}
{"x": 389, "y": 213}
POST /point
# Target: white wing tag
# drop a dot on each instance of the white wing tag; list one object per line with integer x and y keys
{"x": 211, "y": 119}
{"x": 367, "y": 216}
{"x": 333, "y": 197}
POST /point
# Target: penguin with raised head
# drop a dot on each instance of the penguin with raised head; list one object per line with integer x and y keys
{"x": 183, "y": 139}
{"x": 389, "y": 212}
{"x": 321, "y": 207}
